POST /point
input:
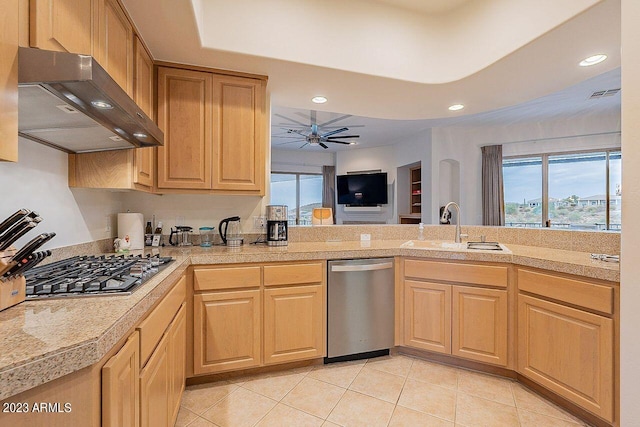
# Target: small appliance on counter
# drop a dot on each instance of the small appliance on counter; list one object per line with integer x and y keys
{"x": 131, "y": 225}
{"x": 277, "y": 225}
{"x": 14, "y": 263}
{"x": 229, "y": 229}
{"x": 183, "y": 236}
{"x": 206, "y": 236}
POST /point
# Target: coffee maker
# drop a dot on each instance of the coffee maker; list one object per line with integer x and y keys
{"x": 277, "y": 225}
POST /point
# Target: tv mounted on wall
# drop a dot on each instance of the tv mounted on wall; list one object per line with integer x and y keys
{"x": 367, "y": 189}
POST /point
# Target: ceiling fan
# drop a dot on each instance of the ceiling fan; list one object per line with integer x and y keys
{"x": 319, "y": 135}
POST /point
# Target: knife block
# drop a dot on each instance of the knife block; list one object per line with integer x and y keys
{"x": 12, "y": 291}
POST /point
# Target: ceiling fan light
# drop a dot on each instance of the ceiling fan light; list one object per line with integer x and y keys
{"x": 456, "y": 107}
{"x": 319, "y": 99}
{"x": 593, "y": 60}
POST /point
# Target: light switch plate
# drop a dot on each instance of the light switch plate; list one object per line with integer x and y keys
{"x": 365, "y": 237}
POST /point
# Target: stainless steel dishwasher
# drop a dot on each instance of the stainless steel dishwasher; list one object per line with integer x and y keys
{"x": 360, "y": 308}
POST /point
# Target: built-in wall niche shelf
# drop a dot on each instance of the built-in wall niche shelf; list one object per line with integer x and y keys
{"x": 415, "y": 177}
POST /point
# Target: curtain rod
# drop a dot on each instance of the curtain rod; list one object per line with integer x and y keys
{"x": 565, "y": 137}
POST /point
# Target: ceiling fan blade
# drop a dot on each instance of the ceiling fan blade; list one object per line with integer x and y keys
{"x": 333, "y": 132}
{"x": 292, "y": 142}
{"x": 323, "y": 145}
{"x": 296, "y": 132}
{"x": 340, "y": 142}
{"x": 290, "y": 120}
{"x": 344, "y": 136}
{"x": 304, "y": 145}
{"x": 346, "y": 116}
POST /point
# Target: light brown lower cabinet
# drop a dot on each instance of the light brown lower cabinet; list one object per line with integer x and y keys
{"x": 569, "y": 351}
{"x": 427, "y": 310}
{"x": 479, "y": 330}
{"x": 178, "y": 360}
{"x": 154, "y": 387}
{"x": 226, "y": 331}
{"x": 121, "y": 387}
{"x": 293, "y": 323}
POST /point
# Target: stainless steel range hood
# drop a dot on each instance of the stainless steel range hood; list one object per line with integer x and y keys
{"x": 69, "y": 102}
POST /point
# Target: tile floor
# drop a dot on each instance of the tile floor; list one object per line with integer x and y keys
{"x": 388, "y": 391}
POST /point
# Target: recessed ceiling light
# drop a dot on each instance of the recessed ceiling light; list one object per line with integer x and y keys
{"x": 456, "y": 107}
{"x": 319, "y": 99}
{"x": 593, "y": 60}
{"x": 353, "y": 143}
{"x": 101, "y": 104}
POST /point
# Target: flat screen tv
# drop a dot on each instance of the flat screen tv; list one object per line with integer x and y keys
{"x": 367, "y": 189}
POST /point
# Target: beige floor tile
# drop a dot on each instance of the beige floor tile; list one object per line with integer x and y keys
{"x": 476, "y": 412}
{"x": 199, "y": 398}
{"x": 330, "y": 424}
{"x": 529, "y": 401}
{"x": 185, "y": 416}
{"x": 240, "y": 408}
{"x": 274, "y": 386}
{"x": 284, "y": 416}
{"x": 531, "y": 419}
{"x": 378, "y": 384}
{"x": 429, "y": 398}
{"x": 340, "y": 374}
{"x": 434, "y": 373}
{"x": 486, "y": 387}
{"x": 355, "y": 409}
{"x": 201, "y": 422}
{"x": 314, "y": 397}
{"x": 405, "y": 417}
{"x": 397, "y": 365}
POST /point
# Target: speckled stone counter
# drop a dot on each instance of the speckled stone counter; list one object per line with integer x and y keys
{"x": 47, "y": 339}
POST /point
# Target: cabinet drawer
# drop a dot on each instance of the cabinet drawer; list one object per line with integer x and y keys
{"x": 292, "y": 274}
{"x": 152, "y": 328}
{"x": 226, "y": 278}
{"x": 572, "y": 291}
{"x": 490, "y": 275}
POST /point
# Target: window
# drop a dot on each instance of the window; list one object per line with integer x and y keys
{"x": 573, "y": 190}
{"x": 300, "y": 192}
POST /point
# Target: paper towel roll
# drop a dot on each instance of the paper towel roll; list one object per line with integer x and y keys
{"x": 133, "y": 225}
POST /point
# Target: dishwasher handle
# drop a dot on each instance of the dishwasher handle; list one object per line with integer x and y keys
{"x": 362, "y": 267}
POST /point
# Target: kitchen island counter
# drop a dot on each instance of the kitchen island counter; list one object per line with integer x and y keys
{"x": 46, "y": 339}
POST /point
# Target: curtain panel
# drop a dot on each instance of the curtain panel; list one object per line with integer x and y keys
{"x": 492, "y": 186}
{"x": 329, "y": 189}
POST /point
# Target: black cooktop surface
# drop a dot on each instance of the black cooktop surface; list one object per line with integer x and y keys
{"x": 92, "y": 275}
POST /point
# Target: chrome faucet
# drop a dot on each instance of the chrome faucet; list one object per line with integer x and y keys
{"x": 444, "y": 219}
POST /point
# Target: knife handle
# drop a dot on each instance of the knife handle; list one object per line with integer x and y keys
{"x": 34, "y": 244}
{"x": 5, "y": 244}
{"x": 12, "y": 219}
{"x": 33, "y": 260}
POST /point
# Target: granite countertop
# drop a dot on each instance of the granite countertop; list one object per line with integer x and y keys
{"x": 46, "y": 339}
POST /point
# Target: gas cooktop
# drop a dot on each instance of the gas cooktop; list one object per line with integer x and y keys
{"x": 83, "y": 276}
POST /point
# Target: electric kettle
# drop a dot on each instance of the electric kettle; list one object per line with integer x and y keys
{"x": 229, "y": 229}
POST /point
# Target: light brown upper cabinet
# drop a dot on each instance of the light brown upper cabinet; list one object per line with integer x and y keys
{"x": 9, "y": 13}
{"x": 61, "y": 25}
{"x": 214, "y": 132}
{"x": 143, "y": 95}
{"x": 238, "y": 149}
{"x": 113, "y": 42}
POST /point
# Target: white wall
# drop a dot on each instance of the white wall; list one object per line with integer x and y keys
{"x": 301, "y": 161}
{"x": 630, "y": 240}
{"x": 39, "y": 182}
{"x": 463, "y": 145}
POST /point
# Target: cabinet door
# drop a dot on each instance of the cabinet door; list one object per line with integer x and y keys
{"x": 9, "y": 80}
{"x": 568, "y": 351}
{"x": 120, "y": 386}
{"x": 61, "y": 25}
{"x": 427, "y": 323}
{"x": 143, "y": 95}
{"x": 155, "y": 381}
{"x": 184, "y": 115}
{"x": 480, "y": 324}
{"x": 177, "y": 356}
{"x": 226, "y": 331}
{"x": 293, "y": 324}
{"x": 113, "y": 42}
{"x": 239, "y": 134}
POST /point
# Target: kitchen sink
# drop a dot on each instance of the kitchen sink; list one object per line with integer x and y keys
{"x": 484, "y": 246}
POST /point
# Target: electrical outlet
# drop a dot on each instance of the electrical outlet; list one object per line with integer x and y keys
{"x": 365, "y": 237}
{"x": 259, "y": 223}
{"x": 107, "y": 228}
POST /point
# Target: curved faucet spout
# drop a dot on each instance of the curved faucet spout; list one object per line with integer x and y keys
{"x": 443, "y": 219}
